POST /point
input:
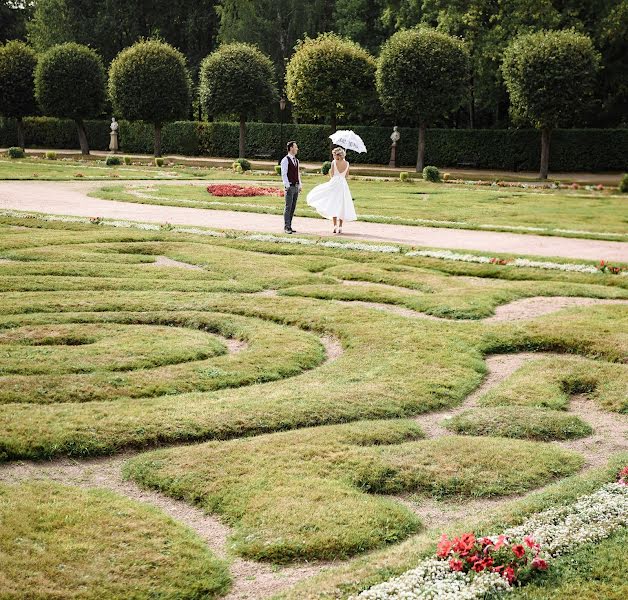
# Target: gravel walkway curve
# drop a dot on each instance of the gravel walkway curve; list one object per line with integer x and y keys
{"x": 70, "y": 198}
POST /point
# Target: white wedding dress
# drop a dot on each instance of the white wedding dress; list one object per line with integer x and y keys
{"x": 333, "y": 198}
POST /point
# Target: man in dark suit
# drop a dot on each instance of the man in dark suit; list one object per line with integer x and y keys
{"x": 291, "y": 176}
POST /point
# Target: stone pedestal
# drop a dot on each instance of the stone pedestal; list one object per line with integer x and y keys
{"x": 393, "y": 155}
{"x": 113, "y": 142}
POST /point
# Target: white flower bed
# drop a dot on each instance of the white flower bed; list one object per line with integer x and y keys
{"x": 448, "y": 255}
{"x": 276, "y": 239}
{"x": 559, "y": 530}
{"x": 590, "y": 519}
{"x": 434, "y": 580}
{"x": 359, "y": 246}
{"x": 524, "y": 262}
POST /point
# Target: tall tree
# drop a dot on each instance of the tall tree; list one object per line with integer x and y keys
{"x": 363, "y": 22}
{"x": 221, "y": 77}
{"x": 550, "y": 77}
{"x": 150, "y": 82}
{"x": 110, "y": 26}
{"x": 14, "y": 15}
{"x": 422, "y": 74}
{"x": 17, "y": 84}
{"x": 70, "y": 83}
{"x": 329, "y": 76}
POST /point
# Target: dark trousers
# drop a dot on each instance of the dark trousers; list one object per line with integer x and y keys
{"x": 292, "y": 195}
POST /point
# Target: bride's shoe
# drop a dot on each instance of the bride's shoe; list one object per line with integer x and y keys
{"x": 334, "y": 230}
{"x": 339, "y": 230}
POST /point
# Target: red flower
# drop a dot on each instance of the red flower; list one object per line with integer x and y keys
{"x": 455, "y": 564}
{"x": 518, "y": 550}
{"x": 488, "y": 562}
{"x": 443, "y": 547}
{"x": 509, "y": 574}
{"x": 478, "y": 566}
{"x": 540, "y": 564}
{"x": 501, "y": 540}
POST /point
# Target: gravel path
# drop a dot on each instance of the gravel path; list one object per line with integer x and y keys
{"x": 70, "y": 198}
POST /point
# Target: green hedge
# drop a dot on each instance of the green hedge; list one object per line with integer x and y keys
{"x": 509, "y": 149}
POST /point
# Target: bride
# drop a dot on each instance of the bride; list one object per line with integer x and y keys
{"x": 332, "y": 199}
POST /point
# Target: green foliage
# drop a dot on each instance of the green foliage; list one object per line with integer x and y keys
{"x": 113, "y": 161}
{"x": 422, "y": 74}
{"x": 512, "y": 149}
{"x": 242, "y": 164}
{"x": 16, "y": 152}
{"x": 127, "y": 160}
{"x": 432, "y": 174}
{"x": 326, "y": 167}
{"x": 17, "y": 85}
{"x": 149, "y": 82}
{"x": 404, "y": 175}
{"x": 623, "y": 184}
{"x": 221, "y": 81}
{"x": 328, "y": 75}
{"x": 550, "y": 77}
{"x": 51, "y": 155}
{"x": 159, "y": 162}
{"x": 70, "y": 82}
{"x": 519, "y": 422}
{"x": 277, "y": 169}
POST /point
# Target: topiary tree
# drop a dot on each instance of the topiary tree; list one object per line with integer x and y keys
{"x": 327, "y": 76}
{"x": 17, "y": 84}
{"x": 422, "y": 74}
{"x": 149, "y": 81}
{"x": 237, "y": 78}
{"x": 70, "y": 83}
{"x": 550, "y": 77}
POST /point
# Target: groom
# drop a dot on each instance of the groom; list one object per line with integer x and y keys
{"x": 291, "y": 176}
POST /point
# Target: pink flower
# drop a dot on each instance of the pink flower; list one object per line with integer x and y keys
{"x": 501, "y": 540}
{"x": 529, "y": 542}
{"x": 509, "y": 574}
{"x": 540, "y": 564}
{"x": 455, "y": 564}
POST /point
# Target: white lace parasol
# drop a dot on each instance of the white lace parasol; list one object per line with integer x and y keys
{"x": 349, "y": 140}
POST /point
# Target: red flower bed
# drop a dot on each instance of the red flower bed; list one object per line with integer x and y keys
{"x": 235, "y": 190}
{"x": 512, "y": 560}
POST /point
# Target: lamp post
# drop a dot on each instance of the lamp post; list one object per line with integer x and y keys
{"x": 282, "y": 108}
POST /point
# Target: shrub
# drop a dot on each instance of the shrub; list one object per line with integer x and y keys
{"x": 422, "y": 74}
{"x": 329, "y": 75}
{"x": 113, "y": 161}
{"x": 159, "y": 162}
{"x": 550, "y": 77}
{"x": 277, "y": 169}
{"x": 17, "y": 86}
{"x": 242, "y": 164}
{"x": 70, "y": 83}
{"x": 623, "y": 184}
{"x": 16, "y": 152}
{"x": 127, "y": 160}
{"x": 221, "y": 76}
{"x": 50, "y": 155}
{"x": 432, "y": 174}
{"x": 404, "y": 175}
{"x": 326, "y": 167}
{"x": 150, "y": 82}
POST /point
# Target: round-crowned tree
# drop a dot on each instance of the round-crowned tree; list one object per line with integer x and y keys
{"x": 329, "y": 76}
{"x": 70, "y": 83}
{"x": 550, "y": 78}
{"x": 17, "y": 84}
{"x": 149, "y": 82}
{"x": 237, "y": 78}
{"x": 422, "y": 74}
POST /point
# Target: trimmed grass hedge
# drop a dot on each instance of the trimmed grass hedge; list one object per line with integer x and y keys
{"x": 509, "y": 149}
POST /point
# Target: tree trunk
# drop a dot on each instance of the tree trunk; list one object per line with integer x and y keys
{"x": 241, "y": 151}
{"x": 82, "y": 137}
{"x": 20, "y": 133}
{"x": 545, "y": 149}
{"x": 157, "y": 151}
{"x": 420, "y": 159}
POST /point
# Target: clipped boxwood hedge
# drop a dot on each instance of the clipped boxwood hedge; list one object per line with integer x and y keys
{"x": 508, "y": 149}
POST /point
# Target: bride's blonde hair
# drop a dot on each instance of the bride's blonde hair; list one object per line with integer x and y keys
{"x": 339, "y": 152}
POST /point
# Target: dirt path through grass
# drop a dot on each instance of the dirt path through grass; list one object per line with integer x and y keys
{"x": 70, "y": 198}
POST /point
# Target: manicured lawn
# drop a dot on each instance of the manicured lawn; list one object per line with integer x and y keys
{"x": 289, "y": 403}
{"x": 571, "y": 213}
{"x": 63, "y": 542}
